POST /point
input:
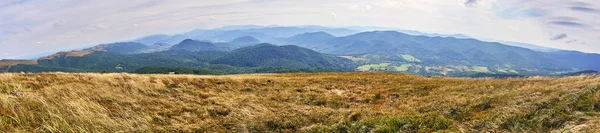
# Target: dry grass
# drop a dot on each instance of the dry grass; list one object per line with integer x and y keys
{"x": 328, "y": 102}
{"x": 74, "y": 53}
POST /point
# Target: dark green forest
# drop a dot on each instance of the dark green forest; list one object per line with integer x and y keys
{"x": 264, "y": 58}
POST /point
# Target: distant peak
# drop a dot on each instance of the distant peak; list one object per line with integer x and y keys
{"x": 377, "y": 33}
{"x": 264, "y": 44}
{"x": 315, "y": 34}
{"x": 320, "y": 32}
{"x": 245, "y": 40}
{"x": 194, "y": 41}
{"x": 189, "y": 40}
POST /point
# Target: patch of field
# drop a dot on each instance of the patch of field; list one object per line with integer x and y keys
{"x": 513, "y": 71}
{"x": 502, "y": 70}
{"x": 446, "y": 70}
{"x": 403, "y": 67}
{"x": 409, "y": 58}
{"x": 481, "y": 69}
{"x": 324, "y": 102}
{"x": 369, "y": 67}
{"x": 354, "y": 58}
{"x": 433, "y": 69}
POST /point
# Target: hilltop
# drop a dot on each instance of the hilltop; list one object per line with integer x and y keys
{"x": 325, "y": 102}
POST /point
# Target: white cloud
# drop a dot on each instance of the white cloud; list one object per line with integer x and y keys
{"x": 334, "y": 15}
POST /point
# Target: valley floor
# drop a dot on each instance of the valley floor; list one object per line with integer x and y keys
{"x": 326, "y": 102}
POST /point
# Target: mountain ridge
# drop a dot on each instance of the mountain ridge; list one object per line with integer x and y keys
{"x": 391, "y": 51}
{"x": 195, "y": 46}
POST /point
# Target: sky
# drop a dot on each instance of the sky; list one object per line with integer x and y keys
{"x": 34, "y": 27}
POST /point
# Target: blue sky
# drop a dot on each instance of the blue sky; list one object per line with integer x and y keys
{"x": 29, "y": 27}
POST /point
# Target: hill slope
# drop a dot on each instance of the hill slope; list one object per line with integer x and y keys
{"x": 330, "y": 102}
{"x": 194, "y": 46}
{"x": 272, "y": 55}
{"x": 121, "y": 47}
{"x": 450, "y": 55}
{"x": 5, "y": 64}
{"x": 244, "y": 41}
{"x": 195, "y": 55}
{"x": 310, "y": 40}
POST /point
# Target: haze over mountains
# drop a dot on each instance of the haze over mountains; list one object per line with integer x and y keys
{"x": 249, "y": 49}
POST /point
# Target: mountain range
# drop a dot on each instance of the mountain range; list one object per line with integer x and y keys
{"x": 249, "y": 48}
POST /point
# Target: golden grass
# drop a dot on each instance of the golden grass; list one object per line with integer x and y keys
{"x": 327, "y": 102}
{"x": 74, "y": 53}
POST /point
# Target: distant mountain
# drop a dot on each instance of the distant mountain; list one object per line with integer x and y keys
{"x": 458, "y": 36}
{"x": 283, "y": 32}
{"x": 226, "y": 36}
{"x": 575, "y": 60}
{"x": 120, "y": 47}
{"x": 158, "y": 47}
{"x": 194, "y": 46}
{"x": 288, "y": 31}
{"x": 263, "y": 33}
{"x": 259, "y": 58}
{"x": 148, "y": 40}
{"x": 399, "y": 50}
{"x": 530, "y": 46}
{"x": 461, "y": 36}
{"x": 586, "y": 72}
{"x": 241, "y": 27}
{"x": 74, "y": 53}
{"x": 288, "y": 56}
{"x": 409, "y": 32}
{"x": 308, "y": 40}
{"x": 244, "y": 41}
{"x": 424, "y": 53}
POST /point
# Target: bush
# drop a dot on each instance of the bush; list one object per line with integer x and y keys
{"x": 377, "y": 96}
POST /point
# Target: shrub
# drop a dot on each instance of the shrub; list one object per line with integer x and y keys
{"x": 377, "y": 96}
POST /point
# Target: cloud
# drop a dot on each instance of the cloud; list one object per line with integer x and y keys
{"x": 559, "y": 37}
{"x": 146, "y": 4}
{"x": 568, "y": 24}
{"x": 580, "y": 4}
{"x": 94, "y": 28}
{"x": 334, "y": 15}
{"x": 519, "y": 13}
{"x": 471, "y": 3}
{"x": 583, "y": 9}
{"x": 536, "y": 12}
{"x": 59, "y": 24}
{"x": 10, "y": 32}
{"x": 564, "y": 18}
{"x": 6, "y": 3}
{"x": 27, "y": 30}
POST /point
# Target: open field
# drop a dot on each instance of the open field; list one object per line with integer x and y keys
{"x": 327, "y": 102}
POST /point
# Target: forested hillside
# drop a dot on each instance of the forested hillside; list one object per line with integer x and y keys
{"x": 255, "y": 59}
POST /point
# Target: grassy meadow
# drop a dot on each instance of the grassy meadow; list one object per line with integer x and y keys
{"x": 325, "y": 102}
